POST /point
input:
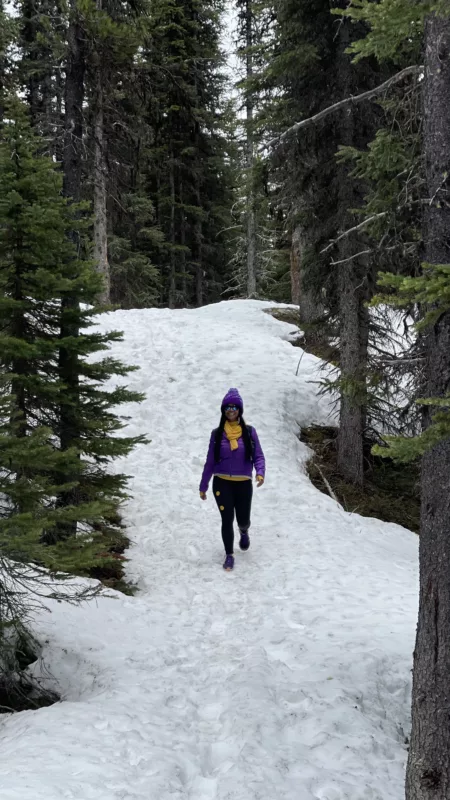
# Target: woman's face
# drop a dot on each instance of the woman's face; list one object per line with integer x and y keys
{"x": 232, "y": 413}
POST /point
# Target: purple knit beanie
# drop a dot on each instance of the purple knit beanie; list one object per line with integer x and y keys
{"x": 233, "y": 397}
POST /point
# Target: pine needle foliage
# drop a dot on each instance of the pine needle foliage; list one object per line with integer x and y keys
{"x": 39, "y": 266}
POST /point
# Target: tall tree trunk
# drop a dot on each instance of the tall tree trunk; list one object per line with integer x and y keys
{"x": 73, "y": 105}
{"x": 296, "y": 258}
{"x": 100, "y": 173}
{"x": 19, "y": 366}
{"x": 47, "y": 88}
{"x": 251, "y": 216}
{"x": 72, "y": 165}
{"x": 199, "y": 276}
{"x": 198, "y": 245}
{"x": 353, "y": 360}
{"x": 59, "y": 118}
{"x": 311, "y": 311}
{"x": 172, "y": 235}
{"x": 48, "y": 126}
{"x": 352, "y": 294}
{"x": 3, "y": 46}
{"x": 428, "y": 771}
{"x": 182, "y": 267}
{"x": 29, "y": 36}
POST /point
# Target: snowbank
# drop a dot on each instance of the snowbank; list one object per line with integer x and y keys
{"x": 288, "y": 678}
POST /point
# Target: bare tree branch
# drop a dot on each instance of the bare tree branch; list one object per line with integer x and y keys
{"x": 350, "y": 258}
{"x": 355, "y": 228}
{"x": 359, "y": 98}
{"x": 400, "y": 361}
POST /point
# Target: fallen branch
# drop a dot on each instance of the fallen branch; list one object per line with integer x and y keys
{"x": 359, "y": 98}
{"x": 329, "y": 489}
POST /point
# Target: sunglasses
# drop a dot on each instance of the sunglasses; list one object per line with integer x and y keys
{"x": 231, "y": 408}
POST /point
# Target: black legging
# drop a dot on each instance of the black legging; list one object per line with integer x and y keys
{"x": 233, "y": 496}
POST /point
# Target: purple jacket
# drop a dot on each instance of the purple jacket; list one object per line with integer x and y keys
{"x": 232, "y": 462}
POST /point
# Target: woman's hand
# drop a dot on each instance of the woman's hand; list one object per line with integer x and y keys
{"x": 203, "y": 495}
{"x": 259, "y": 480}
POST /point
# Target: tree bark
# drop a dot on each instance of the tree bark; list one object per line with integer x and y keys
{"x": 29, "y": 35}
{"x": 311, "y": 311}
{"x": 19, "y": 366}
{"x": 198, "y": 245}
{"x": 295, "y": 258}
{"x": 100, "y": 173}
{"x": 59, "y": 117}
{"x": 73, "y": 106}
{"x": 173, "y": 264}
{"x": 428, "y": 770}
{"x": 48, "y": 90}
{"x": 182, "y": 267}
{"x": 353, "y": 359}
{"x": 251, "y": 216}
{"x": 72, "y": 166}
{"x": 198, "y": 256}
{"x": 3, "y": 45}
{"x": 352, "y": 294}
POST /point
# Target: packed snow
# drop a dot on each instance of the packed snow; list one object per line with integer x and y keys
{"x": 287, "y": 679}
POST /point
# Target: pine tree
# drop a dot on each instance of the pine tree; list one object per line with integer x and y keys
{"x": 269, "y": 261}
{"x": 114, "y": 34}
{"x": 299, "y": 79}
{"x": 39, "y": 268}
{"x": 331, "y": 274}
{"x": 184, "y": 166}
{"x": 41, "y": 47}
{"x": 428, "y": 770}
{"x": 132, "y": 102}
{"x": 134, "y": 239}
{"x": 248, "y": 35}
{"x": 256, "y": 228}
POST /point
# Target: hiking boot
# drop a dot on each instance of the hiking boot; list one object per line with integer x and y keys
{"x": 244, "y": 542}
{"x": 228, "y": 564}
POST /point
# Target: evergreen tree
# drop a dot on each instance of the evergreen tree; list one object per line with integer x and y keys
{"x": 39, "y": 267}
{"x": 332, "y": 276}
{"x": 131, "y": 100}
{"x": 257, "y": 222}
{"x": 269, "y": 262}
{"x": 248, "y": 36}
{"x": 41, "y": 47}
{"x": 428, "y": 770}
{"x": 184, "y": 167}
{"x": 114, "y": 33}
{"x": 299, "y": 80}
{"x": 8, "y": 34}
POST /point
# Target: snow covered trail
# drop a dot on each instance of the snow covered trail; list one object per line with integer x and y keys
{"x": 287, "y": 679}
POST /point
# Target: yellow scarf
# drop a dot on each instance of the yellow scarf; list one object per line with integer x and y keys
{"x": 233, "y": 432}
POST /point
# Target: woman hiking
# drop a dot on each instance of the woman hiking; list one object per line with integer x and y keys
{"x": 234, "y": 450}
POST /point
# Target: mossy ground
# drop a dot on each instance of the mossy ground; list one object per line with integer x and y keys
{"x": 312, "y": 338}
{"x": 390, "y": 491}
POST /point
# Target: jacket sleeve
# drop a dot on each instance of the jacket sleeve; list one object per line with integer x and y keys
{"x": 259, "y": 461}
{"x": 208, "y": 469}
